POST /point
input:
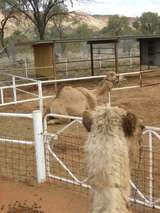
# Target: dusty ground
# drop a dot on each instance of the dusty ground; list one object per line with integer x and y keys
{"x": 143, "y": 101}
{"x": 50, "y": 198}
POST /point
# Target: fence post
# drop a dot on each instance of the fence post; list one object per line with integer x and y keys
{"x": 150, "y": 167}
{"x": 66, "y": 66}
{"x": 14, "y": 89}
{"x": 109, "y": 98}
{"x": 39, "y": 146}
{"x": 2, "y": 95}
{"x": 40, "y": 95}
{"x": 26, "y": 68}
{"x": 100, "y": 62}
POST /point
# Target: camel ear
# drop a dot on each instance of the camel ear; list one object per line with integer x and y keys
{"x": 87, "y": 120}
{"x": 129, "y": 122}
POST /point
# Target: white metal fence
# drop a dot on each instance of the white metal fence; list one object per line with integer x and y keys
{"x": 9, "y": 94}
{"x": 23, "y": 89}
{"x": 146, "y": 188}
{"x": 59, "y": 155}
{"x": 20, "y": 157}
{"x": 64, "y": 159}
{"x": 33, "y": 90}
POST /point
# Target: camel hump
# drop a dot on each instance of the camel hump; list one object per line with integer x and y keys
{"x": 89, "y": 96}
{"x": 63, "y": 90}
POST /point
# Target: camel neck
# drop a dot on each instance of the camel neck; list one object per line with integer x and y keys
{"x": 102, "y": 89}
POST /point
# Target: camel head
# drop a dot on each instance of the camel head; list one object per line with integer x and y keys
{"x": 113, "y": 120}
{"x": 111, "y": 79}
{"x": 107, "y": 122}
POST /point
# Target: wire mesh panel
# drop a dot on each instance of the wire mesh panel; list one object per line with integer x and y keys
{"x": 66, "y": 158}
{"x": 150, "y": 77}
{"x": 17, "y": 161}
{"x": 66, "y": 163}
{"x": 17, "y": 148}
{"x": 145, "y": 175}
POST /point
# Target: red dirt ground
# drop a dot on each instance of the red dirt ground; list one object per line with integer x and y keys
{"x": 50, "y": 198}
{"x": 53, "y": 198}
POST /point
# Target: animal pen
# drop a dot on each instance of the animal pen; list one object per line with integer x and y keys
{"x": 77, "y": 58}
{"x": 40, "y": 153}
{"x": 44, "y": 153}
{"x": 59, "y": 59}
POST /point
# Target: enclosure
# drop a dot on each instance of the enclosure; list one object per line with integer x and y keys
{"x": 75, "y": 58}
{"x": 32, "y": 152}
{"x": 63, "y": 164}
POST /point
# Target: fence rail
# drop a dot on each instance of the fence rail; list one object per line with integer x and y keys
{"x": 66, "y": 148}
{"x": 140, "y": 196}
{"x": 19, "y": 149}
{"x": 37, "y": 94}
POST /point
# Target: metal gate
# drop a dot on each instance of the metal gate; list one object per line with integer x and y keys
{"x": 65, "y": 160}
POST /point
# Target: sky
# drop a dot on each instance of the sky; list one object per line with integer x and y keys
{"x": 121, "y": 7}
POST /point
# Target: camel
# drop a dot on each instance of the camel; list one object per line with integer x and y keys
{"x": 74, "y": 101}
{"x": 107, "y": 157}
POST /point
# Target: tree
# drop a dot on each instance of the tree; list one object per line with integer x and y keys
{"x": 117, "y": 25}
{"x": 7, "y": 14}
{"x": 83, "y": 31}
{"x": 40, "y": 12}
{"x": 58, "y": 20}
{"x": 16, "y": 37}
{"x": 148, "y": 24}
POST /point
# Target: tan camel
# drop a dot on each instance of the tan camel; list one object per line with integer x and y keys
{"x": 107, "y": 157}
{"x": 75, "y": 100}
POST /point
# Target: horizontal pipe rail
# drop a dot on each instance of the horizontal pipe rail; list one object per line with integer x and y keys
{"x": 152, "y": 128}
{"x": 63, "y": 116}
{"x": 36, "y": 83}
{"x": 16, "y": 76}
{"x": 26, "y": 92}
{"x": 19, "y": 115}
{"x": 16, "y": 141}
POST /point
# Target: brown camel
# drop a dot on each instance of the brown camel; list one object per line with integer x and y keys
{"x": 74, "y": 101}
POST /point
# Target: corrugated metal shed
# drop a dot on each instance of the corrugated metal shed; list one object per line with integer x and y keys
{"x": 149, "y": 50}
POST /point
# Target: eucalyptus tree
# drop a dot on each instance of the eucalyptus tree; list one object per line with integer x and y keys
{"x": 7, "y": 13}
{"x": 39, "y": 12}
{"x": 117, "y": 25}
{"x": 148, "y": 24}
{"x": 58, "y": 20}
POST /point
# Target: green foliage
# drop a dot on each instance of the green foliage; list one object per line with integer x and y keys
{"x": 148, "y": 24}
{"x": 83, "y": 32}
{"x": 117, "y": 25}
{"x": 39, "y": 12}
{"x": 16, "y": 37}
{"x": 58, "y": 20}
{"x": 52, "y": 33}
{"x": 7, "y": 13}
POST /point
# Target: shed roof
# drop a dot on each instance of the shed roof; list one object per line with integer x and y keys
{"x": 102, "y": 40}
{"x": 90, "y": 41}
{"x": 142, "y": 38}
{"x": 42, "y": 42}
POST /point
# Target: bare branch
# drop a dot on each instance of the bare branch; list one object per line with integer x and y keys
{"x": 39, "y": 11}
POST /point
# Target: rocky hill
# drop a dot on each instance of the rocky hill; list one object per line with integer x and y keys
{"x": 94, "y": 22}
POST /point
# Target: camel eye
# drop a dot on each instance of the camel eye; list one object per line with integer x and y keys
{"x": 142, "y": 127}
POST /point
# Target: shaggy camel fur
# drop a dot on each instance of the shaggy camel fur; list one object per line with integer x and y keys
{"x": 107, "y": 157}
{"x": 75, "y": 100}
